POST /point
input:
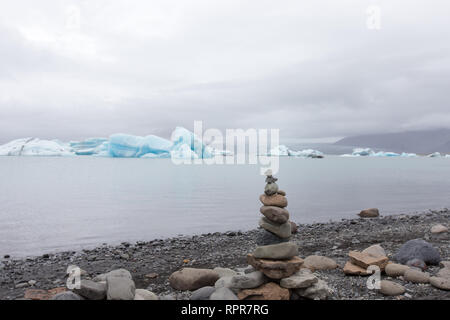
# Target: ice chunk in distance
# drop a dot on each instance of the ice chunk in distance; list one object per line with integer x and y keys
{"x": 90, "y": 146}
{"x": 362, "y": 152}
{"x": 280, "y": 150}
{"x": 129, "y": 146}
{"x": 35, "y": 147}
{"x": 435, "y": 155}
{"x": 183, "y": 151}
{"x": 182, "y": 136}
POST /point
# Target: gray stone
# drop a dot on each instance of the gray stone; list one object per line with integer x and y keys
{"x": 67, "y": 295}
{"x": 302, "y": 279}
{"x": 120, "y": 288}
{"x": 142, "y": 294}
{"x": 202, "y": 293}
{"x": 416, "y": 276}
{"x": 271, "y": 189}
{"x": 282, "y": 230}
{"x": 390, "y": 288}
{"x": 439, "y": 228}
{"x": 192, "y": 278}
{"x": 91, "y": 290}
{"x": 242, "y": 281}
{"x": 444, "y": 273}
{"x": 280, "y": 251}
{"x": 264, "y": 238}
{"x": 275, "y": 214}
{"x": 114, "y": 273}
{"x": 440, "y": 283}
{"x": 224, "y": 272}
{"x": 318, "y": 291}
{"x": 315, "y": 262}
{"x": 223, "y": 294}
{"x": 418, "y": 249}
{"x": 395, "y": 269}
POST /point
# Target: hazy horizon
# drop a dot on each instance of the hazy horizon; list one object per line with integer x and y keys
{"x": 317, "y": 71}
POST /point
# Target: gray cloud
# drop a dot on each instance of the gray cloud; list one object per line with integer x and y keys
{"x": 314, "y": 71}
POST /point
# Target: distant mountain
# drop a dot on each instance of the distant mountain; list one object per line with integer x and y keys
{"x": 422, "y": 142}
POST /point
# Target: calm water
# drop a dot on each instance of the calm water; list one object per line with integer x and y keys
{"x": 53, "y": 204}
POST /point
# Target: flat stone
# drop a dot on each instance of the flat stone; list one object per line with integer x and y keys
{"x": 142, "y": 294}
{"x": 275, "y": 214}
{"x": 242, "y": 281}
{"x": 440, "y": 283}
{"x": 38, "y": 294}
{"x": 390, "y": 288}
{"x": 276, "y": 200}
{"x": 203, "y": 293}
{"x": 355, "y": 270}
{"x": 276, "y": 269}
{"x": 120, "y": 288}
{"x": 395, "y": 269}
{"x": 223, "y": 294}
{"x": 268, "y": 291}
{"x": 364, "y": 260}
{"x": 115, "y": 273}
{"x": 264, "y": 238}
{"x": 318, "y": 291}
{"x": 91, "y": 290}
{"x": 418, "y": 249}
{"x": 315, "y": 262}
{"x": 369, "y": 213}
{"x": 224, "y": 272}
{"x": 416, "y": 276}
{"x": 192, "y": 278}
{"x": 285, "y": 250}
{"x": 302, "y": 279}
{"x": 375, "y": 250}
{"x": 439, "y": 228}
{"x": 68, "y": 295}
{"x": 281, "y": 230}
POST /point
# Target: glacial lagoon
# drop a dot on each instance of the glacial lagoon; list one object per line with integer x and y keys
{"x": 50, "y": 204}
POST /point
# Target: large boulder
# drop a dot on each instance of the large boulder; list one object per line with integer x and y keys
{"x": 120, "y": 288}
{"x": 281, "y": 230}
{"x": 281, "y": 251}
{"x": 418, "y": 249}
{"x": 268, "y": 291}
{"x": 192, "y": 278}
{"x": 315, "y": 262}
{"x": 275, "y": 214}
{"x": 276, "y": 269}
{"x": 91, "y": 290}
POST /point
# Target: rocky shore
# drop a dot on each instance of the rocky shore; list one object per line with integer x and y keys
{"x": 151, "y": 263}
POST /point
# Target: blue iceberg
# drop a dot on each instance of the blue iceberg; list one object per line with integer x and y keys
{"x": 129, "y": 146}
{"x": 182, "y": 136}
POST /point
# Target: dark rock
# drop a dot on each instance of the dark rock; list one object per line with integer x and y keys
{"x": 264, "y": 238}
{"x": 68, "y": 295}
{"x": 418, "y": 249}
{"x": 203, "y": 293}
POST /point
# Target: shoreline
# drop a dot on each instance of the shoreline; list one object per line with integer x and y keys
{"x": 152, "y": 262}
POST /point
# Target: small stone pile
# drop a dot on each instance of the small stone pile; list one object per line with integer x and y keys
{"x": 276, "y": 256}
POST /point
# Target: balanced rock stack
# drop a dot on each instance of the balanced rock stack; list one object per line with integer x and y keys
{"x": 275, "y": 255}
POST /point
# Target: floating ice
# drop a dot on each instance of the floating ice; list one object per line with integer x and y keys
{"x": 283, "y": 151}
{"x": 181, "y": 136}
{"x": 385, "y": 154}
{"x": 35, "y": 147}
{"x": 183, "y": 151}
{"x": 435, "y": 155}
{"x": 91, "y": 146}
{"x": 128, "y": 146}
{"x": 280, "y": 151}
{"x": 408, "y": 155}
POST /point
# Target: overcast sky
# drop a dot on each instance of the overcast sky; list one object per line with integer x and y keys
{"x": 314, "y": 69}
